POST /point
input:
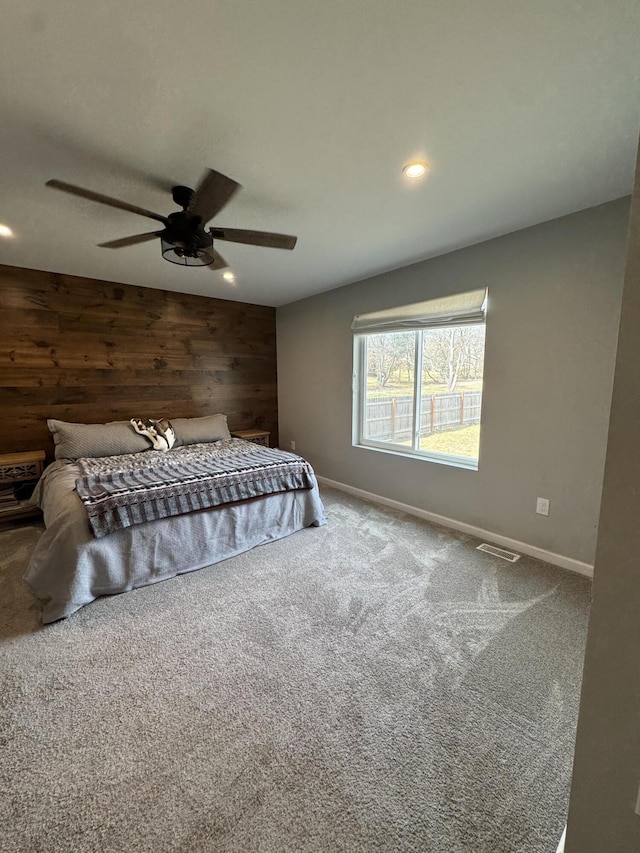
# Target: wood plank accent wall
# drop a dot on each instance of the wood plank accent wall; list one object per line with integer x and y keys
{"x": 92, "y": 351}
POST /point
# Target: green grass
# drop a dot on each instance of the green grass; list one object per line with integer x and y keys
{"x": 457, "y": 442}
{"x": 400, "y": 389}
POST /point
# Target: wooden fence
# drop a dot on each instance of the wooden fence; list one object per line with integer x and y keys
{"x": 391, "y": 418}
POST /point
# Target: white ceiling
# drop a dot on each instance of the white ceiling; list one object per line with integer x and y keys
{"x": 524, "y": 111}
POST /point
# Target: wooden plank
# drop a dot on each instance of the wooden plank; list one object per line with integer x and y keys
{"x": 76, "y": 347}
{"x": 224, "y": 370}
{"x": 208, "y": 329}
{"x": 51, "y": 397}
{"x": 21, "y": 458}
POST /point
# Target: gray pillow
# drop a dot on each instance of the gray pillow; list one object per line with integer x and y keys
{"x": 197, "y": 430}
{"x": 74, "y": 441}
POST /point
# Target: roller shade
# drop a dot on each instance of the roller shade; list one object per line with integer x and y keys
{"x": 463, "y": 309}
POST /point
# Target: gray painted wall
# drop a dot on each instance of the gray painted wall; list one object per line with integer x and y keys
{"x": 606, "y": 772}
{"x": 554, "y": 302}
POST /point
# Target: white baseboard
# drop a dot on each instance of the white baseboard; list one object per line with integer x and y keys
{"x": 495, "y": 538}
{"x": 561, "y": 845}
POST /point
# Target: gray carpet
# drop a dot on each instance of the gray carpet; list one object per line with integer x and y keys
{"x": 373, "y": 685}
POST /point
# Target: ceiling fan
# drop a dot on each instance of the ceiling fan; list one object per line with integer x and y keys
{"x": 184, "y": 238}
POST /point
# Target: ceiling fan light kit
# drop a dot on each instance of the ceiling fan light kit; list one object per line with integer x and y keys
{"x": 184, "y": 239}
{"x": 176, "y": 253}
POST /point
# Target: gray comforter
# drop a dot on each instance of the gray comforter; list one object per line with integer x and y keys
{"x": 120, "y": 491}
{"x": 70, "y": 567}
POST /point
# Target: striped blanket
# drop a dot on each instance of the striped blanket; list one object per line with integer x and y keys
{"x": 119, "y": 491}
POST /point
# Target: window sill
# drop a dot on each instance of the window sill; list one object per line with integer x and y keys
{"x": 439, "y": 459}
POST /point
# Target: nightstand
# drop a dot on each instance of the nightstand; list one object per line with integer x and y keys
{"x": 16, "y": 468}
{"x": 257, "y": 436}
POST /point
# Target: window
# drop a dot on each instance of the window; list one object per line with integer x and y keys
{"x": 418, "y": 379}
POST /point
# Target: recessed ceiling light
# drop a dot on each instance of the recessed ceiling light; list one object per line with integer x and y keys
{"x": 415, "y": 170}
{"x": 229, "y": 276}
{"x": 5, "y": 231}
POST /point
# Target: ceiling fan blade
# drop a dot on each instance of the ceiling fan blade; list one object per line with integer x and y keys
{"x": 211, "y": 195}
{"x": 130, "y": 241}
{"x": 254, "y": 238}
{"x": 219, "y": 262}
{"x": 105, "y": 199}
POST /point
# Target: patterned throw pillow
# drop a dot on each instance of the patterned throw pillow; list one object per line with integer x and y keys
{"x": 160, "y": 433}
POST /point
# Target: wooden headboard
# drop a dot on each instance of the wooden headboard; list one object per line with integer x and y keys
{"x": 91, "y": 351}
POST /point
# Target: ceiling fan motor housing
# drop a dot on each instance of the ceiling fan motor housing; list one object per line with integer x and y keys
{"x": 185, "y": 242}
{"x": 182, "y": 196}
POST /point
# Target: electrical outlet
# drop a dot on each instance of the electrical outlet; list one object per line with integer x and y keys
{"x": 542, "y": 506}
{"x": 292, "y": 445}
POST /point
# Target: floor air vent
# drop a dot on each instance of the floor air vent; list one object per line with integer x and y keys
{"x": 499, "y": 552}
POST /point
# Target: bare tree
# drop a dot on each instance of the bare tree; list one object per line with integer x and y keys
{"x": 388, "y": 354}
{"x": 453, "y": 354}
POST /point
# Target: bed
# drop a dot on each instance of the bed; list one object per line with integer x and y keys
{"x": 77, "y": 560}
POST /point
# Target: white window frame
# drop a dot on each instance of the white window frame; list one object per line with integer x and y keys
{"x": 360, "y": 373}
